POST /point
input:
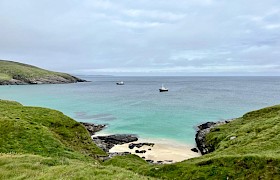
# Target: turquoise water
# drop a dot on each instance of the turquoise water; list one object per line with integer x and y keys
{"x": 138, "y": 107}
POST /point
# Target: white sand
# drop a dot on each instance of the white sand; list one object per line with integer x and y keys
{"x": 163, "y": 150}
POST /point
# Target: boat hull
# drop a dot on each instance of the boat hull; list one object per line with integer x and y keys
{"x": 120, "y": 83}
{"x": 163, "y": 90}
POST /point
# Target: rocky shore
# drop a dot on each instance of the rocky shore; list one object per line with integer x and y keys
{"x": 107, "y": 142}
{"x": 18, "y": 80}
{"x": 16, "y": 73}
{"x": 123, "y": 144}
{"x": 200, "y": 137}
{"x": 93, "y": 128}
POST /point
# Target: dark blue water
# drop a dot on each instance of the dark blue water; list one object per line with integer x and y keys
{"x": 139, "y": 108}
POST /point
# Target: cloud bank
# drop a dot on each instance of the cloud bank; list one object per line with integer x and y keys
{"x": 160, "y": 37}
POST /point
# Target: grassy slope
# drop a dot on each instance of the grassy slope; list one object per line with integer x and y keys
{"x": 40, "y": 143}
{"x": 10, "y": 70}
{"x": 253, "y": 154}
{"x": 37, "y": 167}
{"x": 42, "y": 131}
{"x": 62, "y": 149}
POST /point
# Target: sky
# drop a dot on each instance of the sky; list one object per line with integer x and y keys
{"x": 144, "y": 37}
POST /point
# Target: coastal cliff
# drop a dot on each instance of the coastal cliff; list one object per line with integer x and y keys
{"x": 15, "y": 73}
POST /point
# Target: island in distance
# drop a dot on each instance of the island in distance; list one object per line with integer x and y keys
{"x": 15, "y": 73}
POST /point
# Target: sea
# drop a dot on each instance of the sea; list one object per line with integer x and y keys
{"x": 139, "y": 108}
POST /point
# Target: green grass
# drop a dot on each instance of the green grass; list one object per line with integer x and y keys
{"x": 253, "y": 154}
{"x": 13, "y": 166}
{"x": 14, "y": 70}
{"x": 44, "y": 132}
{"x": 5, "y": 77}
{"x": 40, "y": 143}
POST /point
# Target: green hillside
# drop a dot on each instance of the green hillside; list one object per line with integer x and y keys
{"x": 43, "y": 132}
{"x": 40, "y": 143}
{"x": 253, "y": 154}
{"x": 19, "y": 73}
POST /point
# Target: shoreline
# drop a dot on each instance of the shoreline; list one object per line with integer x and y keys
{"x": 152, "y": 150}
{"x": 162, "y": 151}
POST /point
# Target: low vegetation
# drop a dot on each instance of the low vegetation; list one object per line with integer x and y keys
{"x": 40, "y": 143}
{"x": 16, "y": 166}
{"x": 18, "y": 73}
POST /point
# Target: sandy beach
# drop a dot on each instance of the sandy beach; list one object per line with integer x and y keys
{"x": 163, "y": 150}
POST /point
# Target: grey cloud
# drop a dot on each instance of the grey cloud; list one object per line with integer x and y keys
{"x": 106, "y": 36}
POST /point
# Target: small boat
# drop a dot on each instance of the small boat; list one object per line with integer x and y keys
{"x": 120, "y": 83}
{"x": 163, "y": 89}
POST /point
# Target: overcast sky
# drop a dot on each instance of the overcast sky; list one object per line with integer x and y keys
{"x": 144, "y": 37}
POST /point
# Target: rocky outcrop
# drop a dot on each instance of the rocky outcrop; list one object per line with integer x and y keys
{"x": 139, "y": 145}
{"x": 42, "y": 80}
{"x": 107, "y": 142}
{"x": 140, "y": 151}
{"x": 195, "y": 150}
{"x": 93, "y": 128}
{"x": 200, "y": 137}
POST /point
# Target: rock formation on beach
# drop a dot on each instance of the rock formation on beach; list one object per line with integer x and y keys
{"x": 138, "y": 145}
{"x": 107, "y": 142}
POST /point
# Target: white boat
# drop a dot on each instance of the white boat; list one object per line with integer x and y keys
{"x": 163, "y": 89}
{"x": 120, "y": 83}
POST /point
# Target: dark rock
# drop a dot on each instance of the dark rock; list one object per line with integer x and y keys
{"x": 119, "y": 138}
{"x": 107, "y": 142}
{"x": 200, "y": 137}
{"x": 206, "y": 125}
{"x": 149, "y": 149}
{"x": 51, "y": 79}
{"x": 195, "y": 150}
{"x": 139, "y": 145}
{"x": 131, "y": 146}
{"x": 143, "y": 157}
{"x": 93, "y": 128}
{"x": 170, "y": 161}
{"x": 142, "y": 151}
{"x": 159, "y": 162}
{"x": 149, "y": 161}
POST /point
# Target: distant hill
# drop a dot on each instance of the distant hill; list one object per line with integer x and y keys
{"x": 15, "y": 73}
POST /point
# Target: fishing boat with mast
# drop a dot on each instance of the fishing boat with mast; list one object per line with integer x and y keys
{"x": 163, "y": 89}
